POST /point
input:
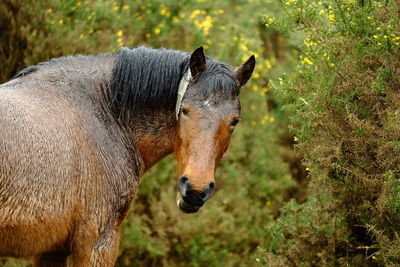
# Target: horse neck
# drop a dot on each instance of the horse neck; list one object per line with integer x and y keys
{"x": 154, "y": 136}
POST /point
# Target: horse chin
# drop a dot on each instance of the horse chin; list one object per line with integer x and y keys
{"x": 187, "y": 208}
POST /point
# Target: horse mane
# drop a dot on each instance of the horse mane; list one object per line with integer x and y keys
{"x": 25, "y": 71}
{"x": 145, "y": 78}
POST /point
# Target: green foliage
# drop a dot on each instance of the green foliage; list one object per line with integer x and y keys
{"x": 303, "y": 228}
{"x": 343, "y": 105}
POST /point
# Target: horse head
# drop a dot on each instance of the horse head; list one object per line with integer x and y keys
{"x": 207, "y": 115}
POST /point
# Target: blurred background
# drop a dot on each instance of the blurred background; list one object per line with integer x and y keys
{"x": 311, "y": 174}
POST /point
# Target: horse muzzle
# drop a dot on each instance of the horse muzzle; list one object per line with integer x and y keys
{"x": 190, "y": 201}
{"x": 187, "y": 208}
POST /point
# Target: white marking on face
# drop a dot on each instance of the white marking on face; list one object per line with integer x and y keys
{"x": 207, "y": 103}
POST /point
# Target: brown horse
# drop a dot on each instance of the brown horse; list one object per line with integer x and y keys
{"x": 77, "y": 133}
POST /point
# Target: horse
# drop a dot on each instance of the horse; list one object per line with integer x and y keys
{"x": 77, "y": 133}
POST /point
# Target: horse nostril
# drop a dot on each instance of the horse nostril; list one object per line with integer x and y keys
{"x": 184, "y": 186}
{"x": 208, "y": 191}
{"x": 212, "y": 186}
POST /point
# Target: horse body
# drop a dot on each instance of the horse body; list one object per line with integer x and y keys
{"x": 70, "y": 159}
{"x": 59, "y": 161}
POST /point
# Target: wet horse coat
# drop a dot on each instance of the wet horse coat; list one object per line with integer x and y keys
{"x": 77, "y": 133}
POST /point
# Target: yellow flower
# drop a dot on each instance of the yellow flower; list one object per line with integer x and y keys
{"x": 322, "y": 12}
{"x": 175, "y": 19}
{"x": 220, "y": 11}
{"x": 194, "y": 13}
{"x": 295, "y": 139}
{"x": 119, "y": 33}
{"x": 157, "y": 30}
{"x": 376, "y": 36}
{"x": 147, "y": 35}
{"x": 306, "y": 60}
{"x": 332, "y": 17}
{"x": 49, "y": 10}
{"x": 81, "y": 36}
{"x": 268, "y": 203}
{"x": 268, "y": 64}
{"x": 163, "y": 11}
{"x": 243, "y": 47}
{"x": 308, "y": 169}
{"x": 204, "y": 25}
{"x": 61, "y": 22}
{"x": 126, "y": 7}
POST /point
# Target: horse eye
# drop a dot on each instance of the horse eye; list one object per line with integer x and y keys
{"x": 185, "y": 111}
{"x": 234, "y": 122}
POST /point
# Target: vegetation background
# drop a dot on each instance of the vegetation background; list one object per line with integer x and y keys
{"x": 311, "y": 177}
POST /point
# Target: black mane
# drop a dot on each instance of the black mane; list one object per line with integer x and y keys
{"x": 145, "y": 78}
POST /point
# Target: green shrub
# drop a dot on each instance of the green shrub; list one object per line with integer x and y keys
{"x": 344, "y": 113}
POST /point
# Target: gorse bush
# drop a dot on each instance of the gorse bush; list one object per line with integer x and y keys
{"x": 344, "y": 99}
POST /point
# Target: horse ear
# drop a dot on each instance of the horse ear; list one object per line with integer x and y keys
{"x": 197, "y": 61}
{"x": 243, "y": 73}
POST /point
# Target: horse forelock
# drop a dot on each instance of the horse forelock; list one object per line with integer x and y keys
{"x": 217, "y": 78}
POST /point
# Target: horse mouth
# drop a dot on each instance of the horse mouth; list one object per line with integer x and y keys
{"x": 187, "y": 208}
